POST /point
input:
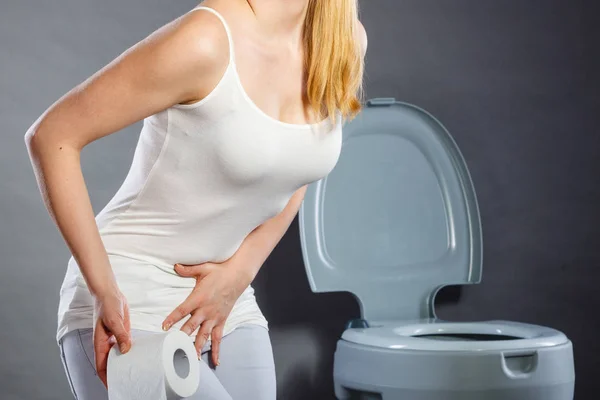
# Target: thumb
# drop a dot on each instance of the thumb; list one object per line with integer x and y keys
{"x": 191, "y": 270}
{"x": 122, "y": 337}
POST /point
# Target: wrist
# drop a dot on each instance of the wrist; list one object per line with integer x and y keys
{"x": 243, "y": 275}
{"x": 108, "y": 288}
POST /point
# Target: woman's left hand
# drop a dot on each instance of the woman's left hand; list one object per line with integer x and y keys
{"x": 218, "y": 286}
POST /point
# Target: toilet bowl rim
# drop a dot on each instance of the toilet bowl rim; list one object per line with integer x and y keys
{"x": 399, "y": 335}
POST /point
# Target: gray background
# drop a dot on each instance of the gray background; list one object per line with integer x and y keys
{"x": 513, "y": 80}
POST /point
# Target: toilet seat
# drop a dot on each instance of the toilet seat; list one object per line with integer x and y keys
{"x": 518, "y": 336}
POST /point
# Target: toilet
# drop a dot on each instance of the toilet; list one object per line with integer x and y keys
{"x": 394, "y": 222}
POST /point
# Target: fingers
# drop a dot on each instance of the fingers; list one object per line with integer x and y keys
{"x": 203, "y": 335}
{"x": 116, "y": 323}
{"x": 126, "y": 320}
{"x": 121, "y": 335}
{"x": 216, "y": 337}
{"x": 197, "y": 271}
{"x": 101, "y": 348}
{"x": 179, "y": 313}
{"x": 193, "y": 322}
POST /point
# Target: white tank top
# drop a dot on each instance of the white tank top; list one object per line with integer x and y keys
{"x": 203, "y": 176}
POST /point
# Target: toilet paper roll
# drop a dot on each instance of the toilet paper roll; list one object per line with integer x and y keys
{"x": 160, "y": 366}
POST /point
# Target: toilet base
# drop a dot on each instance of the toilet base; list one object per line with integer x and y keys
{"x": 556, "y": 392}
{"x": 371, "y": 373}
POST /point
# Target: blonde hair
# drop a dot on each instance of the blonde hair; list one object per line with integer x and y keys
{"x": 334, "y": 59}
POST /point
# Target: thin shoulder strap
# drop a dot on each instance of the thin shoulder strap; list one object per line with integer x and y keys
{"x": 229, "y": 37}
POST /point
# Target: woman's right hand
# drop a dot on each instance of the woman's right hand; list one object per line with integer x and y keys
{"x": 111, "y": 314}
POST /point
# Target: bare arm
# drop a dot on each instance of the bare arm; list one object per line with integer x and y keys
{"x": 179, "y": 62}
{"x": 262, "y": 241}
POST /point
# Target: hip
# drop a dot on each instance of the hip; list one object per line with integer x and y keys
{"x": 149, "y": 305}
{"x": 147, "y": 287}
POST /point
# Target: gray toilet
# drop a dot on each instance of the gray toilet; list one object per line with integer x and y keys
{"x": 395, "y": 221}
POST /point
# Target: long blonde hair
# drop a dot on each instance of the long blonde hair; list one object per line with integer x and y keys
{"x": 334, "y": 60}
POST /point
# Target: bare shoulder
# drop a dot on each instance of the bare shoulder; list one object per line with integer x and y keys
{"x": 202, "y": 35}
{"x": 204, "y": 32}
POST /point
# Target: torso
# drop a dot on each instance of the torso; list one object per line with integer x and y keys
{"x": 202, "y": 178}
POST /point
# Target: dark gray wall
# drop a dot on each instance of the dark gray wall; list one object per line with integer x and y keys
{"x": 513, "y": 80}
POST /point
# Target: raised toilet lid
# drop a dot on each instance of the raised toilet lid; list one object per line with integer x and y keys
{"x": 396, "y": 219}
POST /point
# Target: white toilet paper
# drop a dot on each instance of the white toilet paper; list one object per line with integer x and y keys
{"x": 161, "y": 366}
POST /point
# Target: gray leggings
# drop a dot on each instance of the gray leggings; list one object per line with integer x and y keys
{"x": 246, "y": 371}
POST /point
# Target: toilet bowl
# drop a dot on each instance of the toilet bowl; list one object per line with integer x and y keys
{"x": 393, "y": 223}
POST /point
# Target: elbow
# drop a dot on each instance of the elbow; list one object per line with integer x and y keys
{"x": 30, "y": 138}
{"x": 39, "y": 141}
{"x": 33, "y": 142}
{"x": 32, "y": 135}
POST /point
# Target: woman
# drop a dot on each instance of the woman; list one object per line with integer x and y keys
{"x": 242, "y": 104}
